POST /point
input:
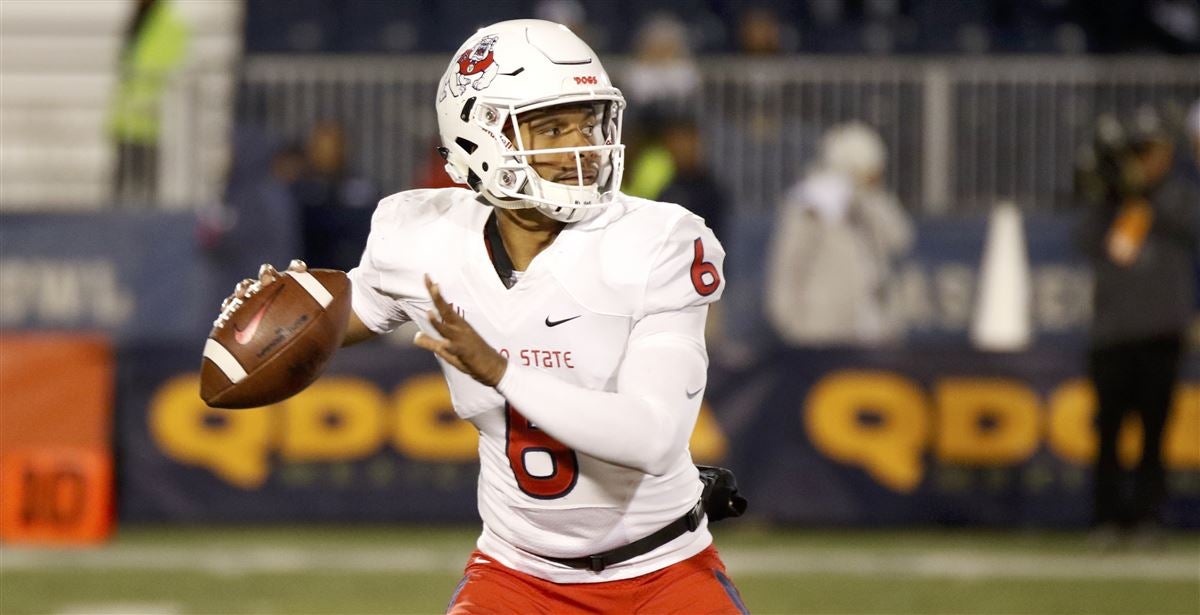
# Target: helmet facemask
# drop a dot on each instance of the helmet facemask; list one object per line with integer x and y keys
{"x": 590, "y": 175}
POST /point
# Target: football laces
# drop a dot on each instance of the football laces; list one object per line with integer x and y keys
{"x": 235, "y": 301}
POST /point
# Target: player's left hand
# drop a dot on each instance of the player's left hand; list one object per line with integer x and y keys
{"x": 461, "y": 345}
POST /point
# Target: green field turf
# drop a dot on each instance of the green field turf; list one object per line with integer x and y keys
{"x": 413, "y": 570}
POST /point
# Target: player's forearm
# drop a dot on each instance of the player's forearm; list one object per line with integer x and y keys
{"x": 372, "y": 312}
{"x": 356, "y": 331}
{"x": 645, "y": 425}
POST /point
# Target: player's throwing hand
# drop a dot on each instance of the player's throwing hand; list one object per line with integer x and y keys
{"x": 460, "y": 345}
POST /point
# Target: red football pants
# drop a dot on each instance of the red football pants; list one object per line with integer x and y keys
{"x": 695, "y": 586}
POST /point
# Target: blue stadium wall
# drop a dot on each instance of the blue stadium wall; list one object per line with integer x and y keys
{"x": 932, "y": 433}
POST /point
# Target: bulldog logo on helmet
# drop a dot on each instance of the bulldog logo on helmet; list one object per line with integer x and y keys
{"x": 476, "y": 68}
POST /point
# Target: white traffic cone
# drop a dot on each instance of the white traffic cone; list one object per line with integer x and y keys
{"x": 1003, "y": 307}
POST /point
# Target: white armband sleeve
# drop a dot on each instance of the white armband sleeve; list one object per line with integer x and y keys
{"x": 647, "y": 422}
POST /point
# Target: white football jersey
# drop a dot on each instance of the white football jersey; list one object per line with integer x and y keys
{"x": 569, "y": 316}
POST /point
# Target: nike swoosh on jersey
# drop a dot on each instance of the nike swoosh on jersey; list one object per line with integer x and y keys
{"x": 555, "y": 323}
{"x": 243, "y": 336}
{"x": 693, "y": 394}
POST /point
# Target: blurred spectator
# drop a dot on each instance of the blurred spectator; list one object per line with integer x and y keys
{"x": 258, "y": 221}
{"x": 289, "y": 164}
{"x": 650, "y": 166}
{"x": 327, "y": 181}
{"x": 155, "y": 47}
{"x": 761, "y": 32}
{"x": 337, "y": 203}
{"x": 663, "y": 71}
{"x": 1141, "y": 234}
{"x": 691, "y": 182}
{"x": 838, "y": 238}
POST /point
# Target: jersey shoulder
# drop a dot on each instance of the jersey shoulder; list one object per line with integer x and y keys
{"x": 410, "y": 212}
{"x": 415, "y": 232}
{"x": 646, "y": 257}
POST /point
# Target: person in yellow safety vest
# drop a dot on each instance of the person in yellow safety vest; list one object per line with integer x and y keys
{"x": 652, "y": 171}
{"x": 155, "y": 46}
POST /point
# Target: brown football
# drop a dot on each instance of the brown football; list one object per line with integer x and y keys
{"x": 277, "y": 341}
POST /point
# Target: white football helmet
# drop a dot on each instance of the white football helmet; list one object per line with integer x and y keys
{"x": 514, "y": 67}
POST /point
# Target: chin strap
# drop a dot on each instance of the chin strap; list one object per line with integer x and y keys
{"x": 455, "y": 176}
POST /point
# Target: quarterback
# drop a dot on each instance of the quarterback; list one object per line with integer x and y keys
{"x": 568, "y": 319}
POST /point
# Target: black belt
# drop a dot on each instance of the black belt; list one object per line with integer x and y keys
{"x": 673, "y": 530}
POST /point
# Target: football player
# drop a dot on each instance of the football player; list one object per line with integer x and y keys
{"x": 568, "y": 319}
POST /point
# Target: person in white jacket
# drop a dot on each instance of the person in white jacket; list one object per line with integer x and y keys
{"x": 831, "y": 278}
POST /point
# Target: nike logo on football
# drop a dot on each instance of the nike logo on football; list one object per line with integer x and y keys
{"x": 693, "y": 394}
{"x": 243, "y": 336}
{"x": 555, "y": 323}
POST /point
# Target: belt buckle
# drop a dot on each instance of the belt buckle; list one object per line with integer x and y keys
{"x": 694, "y": 515}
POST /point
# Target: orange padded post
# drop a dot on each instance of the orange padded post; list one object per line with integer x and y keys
{"x": 56, "y": 465}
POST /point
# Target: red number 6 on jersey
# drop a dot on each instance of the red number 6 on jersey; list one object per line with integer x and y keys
{"x": 701, "y": 267}
{"x": 524, "y": 441}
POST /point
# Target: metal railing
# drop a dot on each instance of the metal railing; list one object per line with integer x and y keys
{"x": 58, "y": 152}
{"x": 962, "y": 134}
